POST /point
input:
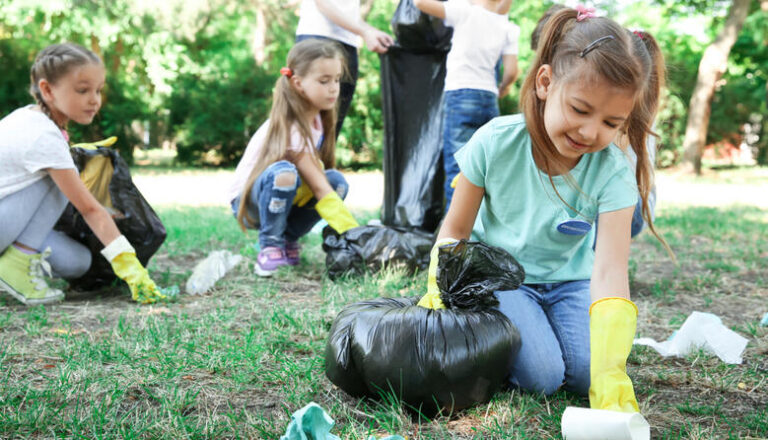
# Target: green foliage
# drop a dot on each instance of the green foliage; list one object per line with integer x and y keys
{"x": 191, "y": 72}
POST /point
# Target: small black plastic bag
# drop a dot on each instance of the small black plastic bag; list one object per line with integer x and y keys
{"x": 469, "y": 272}
{"x": 133, "y": 215}
{"x": 369, "y": 248}
{"x": 434, "y": 361}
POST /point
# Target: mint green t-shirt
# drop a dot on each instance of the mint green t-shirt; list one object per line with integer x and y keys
{"x": 520, "y": 210}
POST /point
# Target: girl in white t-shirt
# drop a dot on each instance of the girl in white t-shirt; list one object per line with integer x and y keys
{"x": 38, "y": 178}
{"x": 284, "y": 182}
{"x": 482, "y": 34}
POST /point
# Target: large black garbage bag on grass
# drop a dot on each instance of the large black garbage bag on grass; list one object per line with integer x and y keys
{"x": 369, "y": 248}
{"x": 435, "y": 361}
{"x": 133, "y": 215}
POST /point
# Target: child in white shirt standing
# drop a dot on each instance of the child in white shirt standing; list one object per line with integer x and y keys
{"x": 480, "y": 36}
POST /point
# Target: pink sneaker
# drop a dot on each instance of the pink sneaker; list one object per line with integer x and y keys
{"x": 292, "y": 250}
{"x": 269, "y": 260}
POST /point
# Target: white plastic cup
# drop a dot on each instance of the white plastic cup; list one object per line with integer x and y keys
{"x": 598, "y": 424}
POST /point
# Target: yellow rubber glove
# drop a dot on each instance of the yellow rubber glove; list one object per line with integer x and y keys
{"x": 303, "y": 195}
{"x": 122, "y": 257}
{"x": 455, "y": 181}
{"x": 432, "y": 299}
{"x": 108, "y": 142}
{"x": 612, "y": 323}
{"x": 332, "y": 209}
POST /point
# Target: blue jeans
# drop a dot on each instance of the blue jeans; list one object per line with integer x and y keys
{"x": 464, "y": 111}
{"x": 279, "y": 220}
{"x": 553, "y": 320}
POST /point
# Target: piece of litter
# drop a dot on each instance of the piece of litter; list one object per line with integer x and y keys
{"x": 705, "y": 331}
{"x": 210, "y": 270}
{"x": 764, "y": 322}
{"x": 171, "y": 293}
{"x": 313, "y": 423}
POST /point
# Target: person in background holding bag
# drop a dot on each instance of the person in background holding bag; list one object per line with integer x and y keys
{"x": 38, "y": 178}
{"x": 284, "y": 182}
{"x": 481, "y": 34}
{"x": 339, "y": 21}
{"x": 535, "y": 183}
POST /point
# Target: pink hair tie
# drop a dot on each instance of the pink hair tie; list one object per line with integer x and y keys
{"x": 640, "y": 33}
{"x": 65, "y": 134}
{"x": 583, "y": 12}
{"x": 286, "y": 71}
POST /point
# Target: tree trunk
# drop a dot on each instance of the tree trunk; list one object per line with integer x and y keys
{"x": 259, "y": 43}
{"x": 713, "y": 65}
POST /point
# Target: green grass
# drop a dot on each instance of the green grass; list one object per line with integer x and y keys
{"x": 237, "y": 362}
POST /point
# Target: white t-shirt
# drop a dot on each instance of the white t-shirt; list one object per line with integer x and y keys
{"x": 480, "y": 37}
{"x": 251, "y": 155}
{"x": 313, "y": 22}
{"x": 29, "y": 143}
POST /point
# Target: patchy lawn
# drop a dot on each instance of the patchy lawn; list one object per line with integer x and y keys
{"x": 235, "y": 363}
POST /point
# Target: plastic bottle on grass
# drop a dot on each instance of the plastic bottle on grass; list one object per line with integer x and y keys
{"x": 210, "y": 270}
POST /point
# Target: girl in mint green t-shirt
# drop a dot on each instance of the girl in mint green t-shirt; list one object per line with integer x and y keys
{"x": 534, "y": 184}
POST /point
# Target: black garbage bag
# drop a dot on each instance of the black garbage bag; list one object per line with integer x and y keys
{"x": 416, "y": 31}
{"x": 468, "y": 272}
{"x": 412, "y": 99}
{"x": 369, "y": 248}
{"x": 435, "y": 361}
{"x": 133, "y": 215}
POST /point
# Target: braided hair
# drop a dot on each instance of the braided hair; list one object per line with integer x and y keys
{"x": 53, "y": 63}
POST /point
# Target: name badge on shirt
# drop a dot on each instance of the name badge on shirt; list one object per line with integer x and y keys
{"x": 574, "y": 227}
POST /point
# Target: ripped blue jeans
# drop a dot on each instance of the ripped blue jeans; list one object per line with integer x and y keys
{"x": 279, "y": 220}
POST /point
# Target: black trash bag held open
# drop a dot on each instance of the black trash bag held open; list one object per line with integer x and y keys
{"x": 435, "y": 361}
{"x": 412, "y": 79}
{"x": 369, "y": 248}
{"x": 417, "y": 31}
{"x": 133, "y": 215}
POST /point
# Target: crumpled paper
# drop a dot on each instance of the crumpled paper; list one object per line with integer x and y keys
{"x": 701, "y": 331}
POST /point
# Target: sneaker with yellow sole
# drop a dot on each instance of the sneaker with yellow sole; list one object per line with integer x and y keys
{"x": 23, "y": 277}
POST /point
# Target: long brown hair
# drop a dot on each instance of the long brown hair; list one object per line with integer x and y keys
{"x": 287, "y": 114}
{"x": 622, "y": 62}
{"x": 645, "y": 44}
{"x": 53, "y": 63}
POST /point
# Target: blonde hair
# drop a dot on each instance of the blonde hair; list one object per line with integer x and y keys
{"x": 288, "y": 109}
{"x": 53, "y": 63}
{"x": 622, "y": 61}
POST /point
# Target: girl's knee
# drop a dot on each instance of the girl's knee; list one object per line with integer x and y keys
{"x": 577, "y": 374}
{"x": 545, "y": 378}
{"x": 544, "y": 382}
{"x": 74, "y": 266}
{"x": 282, "y": 174}
{"x": 337, "y": 182}
{"x": 286, "y": 180}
